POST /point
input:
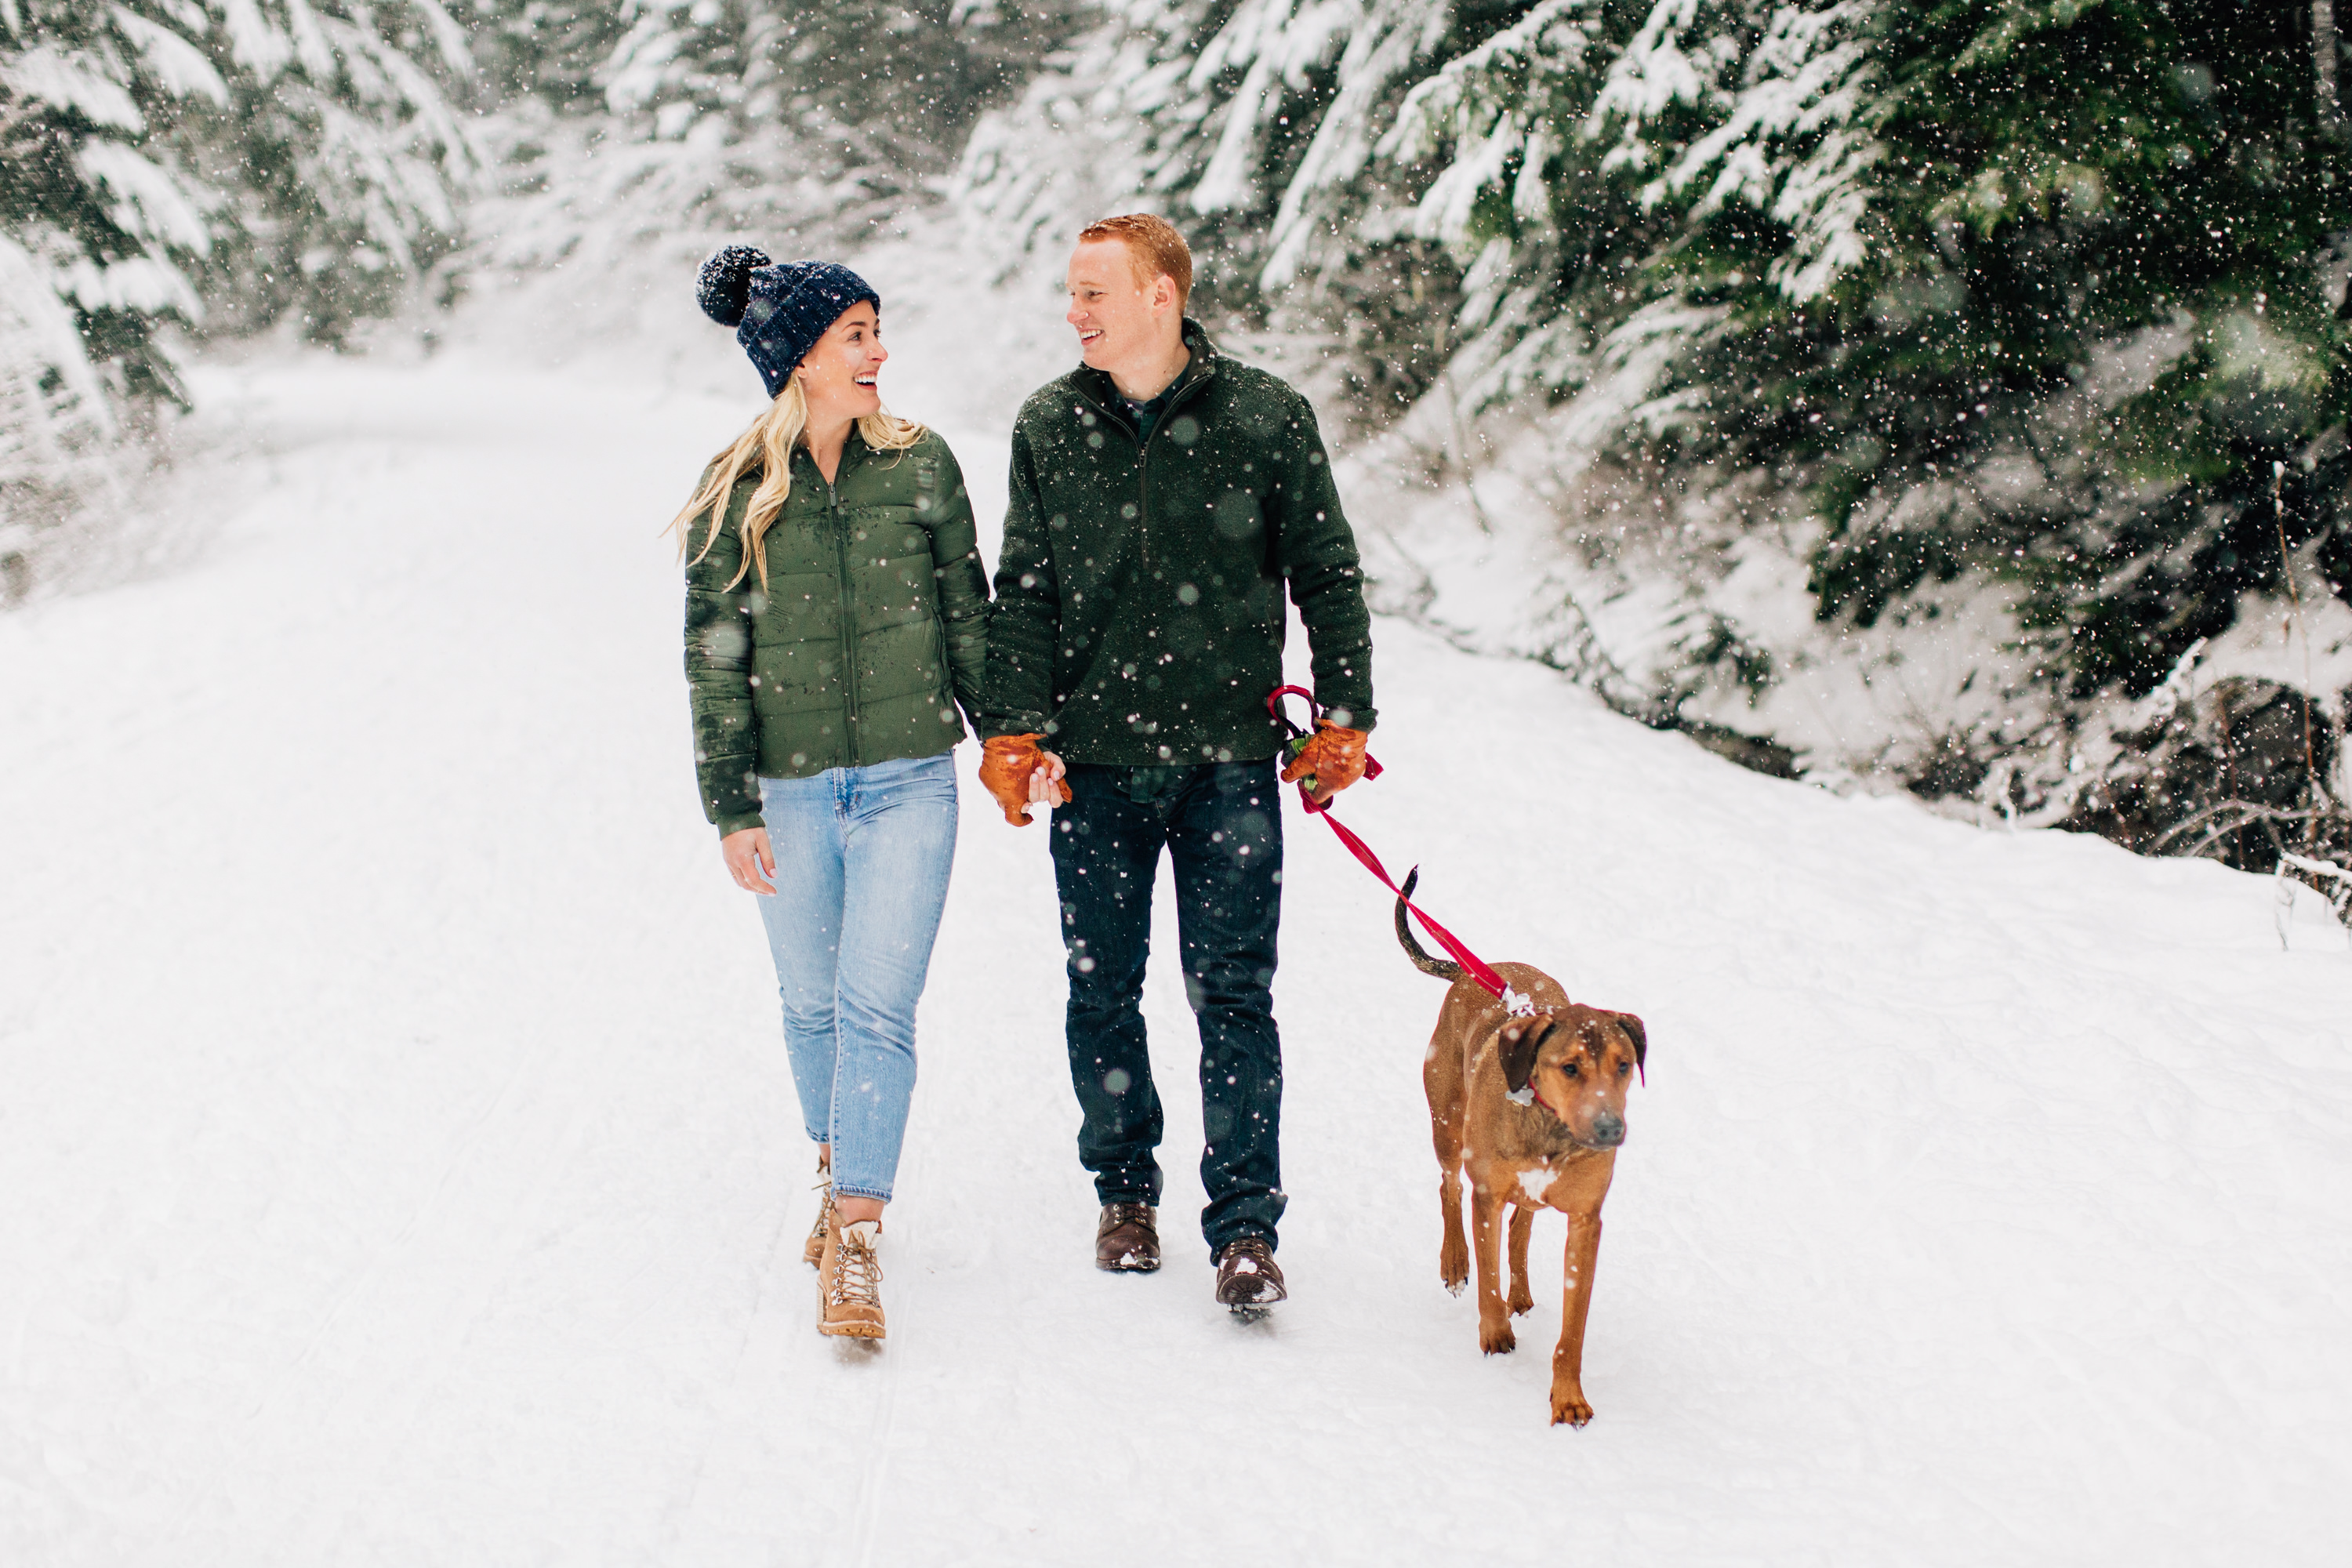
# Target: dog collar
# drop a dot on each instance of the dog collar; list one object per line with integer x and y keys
{"x": 1528, "y": 1096}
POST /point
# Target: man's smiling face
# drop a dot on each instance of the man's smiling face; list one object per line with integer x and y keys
{"x": 1118, "y": 312}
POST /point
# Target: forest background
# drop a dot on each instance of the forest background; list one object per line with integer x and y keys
{"x": 1896, "y": 394}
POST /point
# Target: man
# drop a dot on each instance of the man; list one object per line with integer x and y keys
{"x": 1161, "y": 498}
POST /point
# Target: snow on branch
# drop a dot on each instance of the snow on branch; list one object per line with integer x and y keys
{"x": 176, "y": 65}
{"x": 1788, "y": 148}
{"x": 77, "y": 81}
{"x": 1379, "y": 54}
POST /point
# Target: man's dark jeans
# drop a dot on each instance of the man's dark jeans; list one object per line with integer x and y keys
{"x": 1222, "y": 824}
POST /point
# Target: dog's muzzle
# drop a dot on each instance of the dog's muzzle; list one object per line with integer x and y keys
{"x": 1608, "y": 1131}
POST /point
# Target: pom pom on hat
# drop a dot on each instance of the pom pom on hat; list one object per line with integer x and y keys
{"x": 723, "y": 287}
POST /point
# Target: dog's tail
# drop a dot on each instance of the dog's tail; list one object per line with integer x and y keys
{"x": 1440, "y": 967}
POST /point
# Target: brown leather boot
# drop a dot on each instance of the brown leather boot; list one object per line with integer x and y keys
{"x": 1127, "y": 1238}
{"x": 849, "y": 1281}
{"x": 813, "y": 1250}
{"x": 1247, "y": 1276}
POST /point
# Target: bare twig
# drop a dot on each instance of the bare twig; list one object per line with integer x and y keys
{"x": 2340, "y": 901}
{"x": 1461, "y": 442}
{"x": 2318, "y": 796}
{"x": 2251, "y": 815}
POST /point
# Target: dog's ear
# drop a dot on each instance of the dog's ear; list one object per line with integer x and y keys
{"x": 1517, "y": 1046}
{"x": 1633, "y": 1026}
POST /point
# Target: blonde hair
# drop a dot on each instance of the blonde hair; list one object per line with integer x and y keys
{"x": 766, "y": 448}
{"x": 1153, "y": 244}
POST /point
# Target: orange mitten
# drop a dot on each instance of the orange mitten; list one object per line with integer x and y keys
{"x": 1006, "y": 765}
{"x": 1329, "y": 761}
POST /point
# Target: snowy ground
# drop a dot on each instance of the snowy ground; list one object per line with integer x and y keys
{"x": 400, "y": 1163}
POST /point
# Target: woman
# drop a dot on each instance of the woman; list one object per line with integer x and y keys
{"x": 835, "y": 616}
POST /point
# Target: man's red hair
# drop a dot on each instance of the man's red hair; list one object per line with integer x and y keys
{"x": 1155, "y": 245}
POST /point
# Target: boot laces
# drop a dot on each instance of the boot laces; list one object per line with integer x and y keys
{"x": 856, "y": 1273}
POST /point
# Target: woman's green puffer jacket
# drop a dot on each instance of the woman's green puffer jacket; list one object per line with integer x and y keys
{"x": 871, "y": 629}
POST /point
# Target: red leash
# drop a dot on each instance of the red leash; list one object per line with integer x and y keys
{"x": 1477, "y": 968}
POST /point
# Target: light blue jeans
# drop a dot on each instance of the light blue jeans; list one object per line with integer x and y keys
{"x": 862, "y": 859}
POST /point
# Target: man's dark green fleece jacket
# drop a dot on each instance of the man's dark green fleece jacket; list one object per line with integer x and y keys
{"x": 1138, "y": 615}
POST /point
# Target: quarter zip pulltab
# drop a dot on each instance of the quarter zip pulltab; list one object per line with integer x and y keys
{"x": 1143, "y": 456}
{"x": 1143, "y": 494}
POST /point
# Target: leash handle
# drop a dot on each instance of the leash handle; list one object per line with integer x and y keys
{"x": 1297, "y": 743}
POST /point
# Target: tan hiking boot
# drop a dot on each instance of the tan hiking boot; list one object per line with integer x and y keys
{"x": 849, "y": 1281}
{"x": 813, "y": 1250}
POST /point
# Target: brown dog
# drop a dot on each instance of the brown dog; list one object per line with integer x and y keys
{"x": 1534, "y": 1108}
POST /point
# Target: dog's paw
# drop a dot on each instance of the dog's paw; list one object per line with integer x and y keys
{"x": 1568, "y": 1406}
{"x": 1453, "y": 1287}
{"x": 1496, "y": 1338}
{"x": 1522, "y": 1301}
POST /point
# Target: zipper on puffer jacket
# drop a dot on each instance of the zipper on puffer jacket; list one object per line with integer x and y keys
{"x": 848, "y": 620}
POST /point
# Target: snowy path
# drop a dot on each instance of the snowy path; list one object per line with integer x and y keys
{"x": 400, "y": 1167}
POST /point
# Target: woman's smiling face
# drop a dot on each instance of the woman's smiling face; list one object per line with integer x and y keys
{"x": 837, "y": 376}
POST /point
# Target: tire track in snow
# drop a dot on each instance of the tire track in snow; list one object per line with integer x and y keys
{"x": 874, "y": 1475}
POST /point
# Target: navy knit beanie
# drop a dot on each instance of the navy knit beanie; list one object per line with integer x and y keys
{"x": 778, "y": 309}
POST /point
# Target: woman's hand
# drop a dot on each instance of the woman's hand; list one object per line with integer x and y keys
{"x": 1045, "y": 785}
{"x": 1020, "y": 775}
{"x": 748, "y": 860}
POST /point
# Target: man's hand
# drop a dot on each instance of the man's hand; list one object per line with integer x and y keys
{"x": 748, "y": 860}
{"x": 1020, "y": 775}
{"x": 1332, "y": 759}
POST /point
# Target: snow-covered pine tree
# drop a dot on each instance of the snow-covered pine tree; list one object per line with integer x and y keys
{"x": 2038, "y": 306}
{"x": 1266, "y": 153}
{"x": 1135, "y": 111}
{"x": 161, "y": 159}
{"x": 96, "y": 240}
{"x": 2046, "y": 297}
{"x": 546, "y": 49}
{"x": 108, "y": 229}
{"x": 1250, "y": 124}
{"x": 340, "y": 155}
{"x": 830, "y": 120}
